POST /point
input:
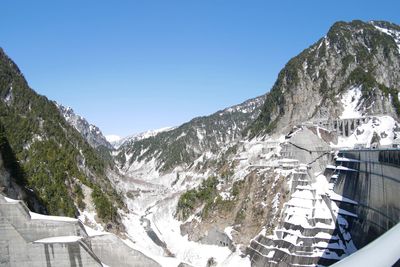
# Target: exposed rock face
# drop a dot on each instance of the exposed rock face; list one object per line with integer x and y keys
{"x": 314, "y": 83}
{"x": 252, "y": 204}
{"x": 90, "y": 132}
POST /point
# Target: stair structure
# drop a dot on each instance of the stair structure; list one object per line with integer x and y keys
{"x": 313, "y": 230}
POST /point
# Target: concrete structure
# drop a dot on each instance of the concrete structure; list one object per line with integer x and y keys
{"x": 308, "y": 149}
{"x": 108, "y": 248}
{"x": 309, "y": 233}
{"x": 270, "y": 146}
{"x": 313, "y": 229}
{"x": 28, "y": 239}
{"x": 219, "y": 238}
{"x": 343, "y": 127}
{"x": 375, "y": 185}
{"x": 383, "y": 246}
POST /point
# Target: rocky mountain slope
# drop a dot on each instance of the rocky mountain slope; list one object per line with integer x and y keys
{"x": 184, "y": 144}
{"x": 56, "y": 163}
{"x": 352, "y": 56}
{"x": 90, "y": 132}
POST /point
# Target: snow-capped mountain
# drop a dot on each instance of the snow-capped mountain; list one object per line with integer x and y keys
{"x": 112, "y": 138}
{"x": 90, "y": 132}
{"x": 117, "y": 141}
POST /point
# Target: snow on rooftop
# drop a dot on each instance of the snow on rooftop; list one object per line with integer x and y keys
{"x": 324, "y": 235}
{"x": 337, "y": 197}
{"x": 341, "y": 168}
{"x": 303, "y": 194}
{"x": 346, "y": 159}
{"x": 37, "y": 216}
{"x": 10, "y": 200}
{"x": 59, "y": 239}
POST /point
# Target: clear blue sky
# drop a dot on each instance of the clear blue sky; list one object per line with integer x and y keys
{"x": 129, "y": 66}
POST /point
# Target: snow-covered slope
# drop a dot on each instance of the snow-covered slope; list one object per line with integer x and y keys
{"x": 182, "y": 145}
{"x": 390, "y": 29}
{"x": 113, "y": 138}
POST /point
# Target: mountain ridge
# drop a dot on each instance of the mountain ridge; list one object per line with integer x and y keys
{"x": 188, "y": 141}
{"x": 90, "y": 132}
{"x": 351, "y": 54}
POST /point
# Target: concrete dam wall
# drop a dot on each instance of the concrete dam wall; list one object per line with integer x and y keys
{"x": 341, "y": 202}
{"x": 375, "y": 185}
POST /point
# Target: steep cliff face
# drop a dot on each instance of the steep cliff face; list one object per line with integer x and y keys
{"x": 90, "y": 132}
{"x": 357, "y": 57}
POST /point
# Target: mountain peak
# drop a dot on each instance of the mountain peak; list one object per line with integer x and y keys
{"x": 312, "y": 84}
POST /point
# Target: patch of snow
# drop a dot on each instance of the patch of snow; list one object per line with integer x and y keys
{"x": 392, "y": 33}
{"x": 112, "y": 138}
{"x": 228, "y": 231}
{"x": 350, "y": 101}
{"x": 8, "y": 98}
{"x": 92, "y": 232}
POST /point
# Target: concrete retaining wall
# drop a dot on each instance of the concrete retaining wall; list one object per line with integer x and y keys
{"x": 113, "y": 252}
{"x": 21, "y": 244}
